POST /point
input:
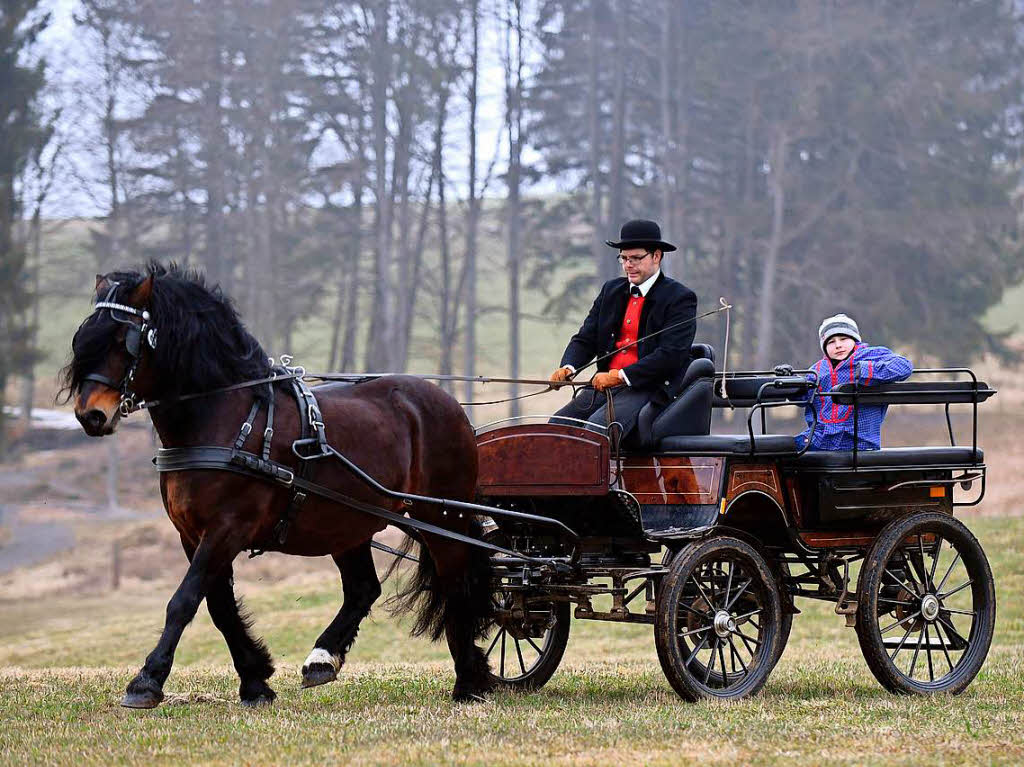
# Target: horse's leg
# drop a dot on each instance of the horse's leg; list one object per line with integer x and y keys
{"x": 361, "y": 588}
{"x": 250, "y": 655}
{"x": 208, "y": 561}
{"x": 463, "y": 580}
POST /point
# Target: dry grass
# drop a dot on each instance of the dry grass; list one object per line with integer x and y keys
{"x": 67, "y": 659}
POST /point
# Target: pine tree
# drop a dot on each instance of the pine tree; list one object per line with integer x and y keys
{"x": 22, "y": 134}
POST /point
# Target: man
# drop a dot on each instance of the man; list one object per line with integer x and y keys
{"x": 629, "y": 308}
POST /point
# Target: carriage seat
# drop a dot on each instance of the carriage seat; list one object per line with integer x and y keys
{"x": 891, "y": 457}
{"x": 690, "y": 411}
{"x": 732, "y": 444}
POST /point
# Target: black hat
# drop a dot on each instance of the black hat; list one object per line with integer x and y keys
{"x": 641, "y": 233}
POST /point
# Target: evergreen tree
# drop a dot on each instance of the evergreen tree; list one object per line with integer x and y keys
{"x": 22, "y": 134}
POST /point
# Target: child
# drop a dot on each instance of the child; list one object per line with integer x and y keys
{"x": 848, "y": 359}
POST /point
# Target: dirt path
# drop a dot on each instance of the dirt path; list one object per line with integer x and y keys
{"x": 31, "y": 542}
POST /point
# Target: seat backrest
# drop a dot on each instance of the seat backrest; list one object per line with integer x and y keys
{"x": 702, "y": 352}
{"x": 690, "y": 412}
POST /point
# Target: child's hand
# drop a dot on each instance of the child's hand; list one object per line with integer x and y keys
{"x": 784, "y": 370}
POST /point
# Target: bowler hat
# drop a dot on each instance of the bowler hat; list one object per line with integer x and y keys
{"x": 641, "y": 233}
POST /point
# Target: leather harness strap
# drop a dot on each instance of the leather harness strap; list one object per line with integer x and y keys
{"x": 239, "y": 462}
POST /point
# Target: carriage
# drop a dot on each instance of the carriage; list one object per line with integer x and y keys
{"x": 712, "y": 537}
{"x": 709, "y": 537}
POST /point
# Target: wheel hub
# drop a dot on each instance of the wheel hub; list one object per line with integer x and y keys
{"x": 724, "y": 624}
{"x": 930, "y": 607}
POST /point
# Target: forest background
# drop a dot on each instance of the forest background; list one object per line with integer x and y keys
{"x": 426, "y": 184}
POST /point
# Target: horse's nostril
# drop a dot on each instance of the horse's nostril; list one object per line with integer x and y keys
{"x": 94, "y": 419}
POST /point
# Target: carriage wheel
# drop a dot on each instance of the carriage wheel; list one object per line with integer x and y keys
{"x": 786, "y": 603}
{"x": 785, "y": 628}
{"x": 718, "y": 620}
{"x": 526, "y": 641}
{"x": 926, "y": 606}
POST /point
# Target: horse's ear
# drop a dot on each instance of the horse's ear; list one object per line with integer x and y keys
{"x": 102, "y": 283}
{"x": 141, "y": 294}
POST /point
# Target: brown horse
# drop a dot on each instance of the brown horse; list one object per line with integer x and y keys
{"x": 163, "y": 334}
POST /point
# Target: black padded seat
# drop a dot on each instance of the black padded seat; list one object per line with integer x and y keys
{"x": 729, "y": 443}
{"x": 890, "y": 456}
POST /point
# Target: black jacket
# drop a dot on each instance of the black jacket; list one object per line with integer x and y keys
{"x": 664, "y": 358}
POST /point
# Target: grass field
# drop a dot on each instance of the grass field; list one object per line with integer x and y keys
{"x": 65, "y": 661}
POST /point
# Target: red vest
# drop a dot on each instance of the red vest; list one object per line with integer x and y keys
{"x": 628, "y": 333}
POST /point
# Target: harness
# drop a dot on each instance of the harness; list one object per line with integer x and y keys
{"x": 133, "y": 345}
{"x": 311, "y": 446}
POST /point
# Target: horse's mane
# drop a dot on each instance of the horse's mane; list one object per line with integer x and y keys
{"x": 201, "y": 342}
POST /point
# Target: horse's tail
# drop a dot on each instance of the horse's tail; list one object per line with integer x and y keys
{"x": 434, "y": 602}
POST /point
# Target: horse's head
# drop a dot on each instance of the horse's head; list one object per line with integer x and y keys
{"x": 119, "y": 358}
{"x": 108, "y": 372}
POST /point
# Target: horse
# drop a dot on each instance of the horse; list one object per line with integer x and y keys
{"x": 160, "y": 334}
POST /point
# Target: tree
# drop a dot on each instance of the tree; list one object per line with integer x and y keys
{"x": 22, "y": 135}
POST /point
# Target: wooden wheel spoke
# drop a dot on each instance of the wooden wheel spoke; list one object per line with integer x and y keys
{"x": 739, "y": 593}
{"x": 695, "y": 611}
{"x": 928, "y": 650}
{"x": 501, "y": 672}
{"x": 909, "y": 589}
{"x": 735, "y": 653}
{"x": 494, "y": 642}
{"x": 519, "y": 654}
{"x": 711, "y": 665}
{"x": 942, "y": 642}
{"x": 948, "y": 571}
{"x": 534, "y": 646}
{"x": 902, "y": 642}
{"x": 682, "y": 634}
{"x": 935, "y": 560}
{"x": 917, "y": 650}
{"x": 951, "y": 629}
{"x": 959, "y": 588}
{"x": 900, "y": 622}
{"x": 700, "y": 588}
{"x": 739, "y": 633}
{"x": 696, "y": 650}
{"x": 728, "y": 583}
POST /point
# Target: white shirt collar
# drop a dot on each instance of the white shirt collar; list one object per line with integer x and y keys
{"x": 646, "y": 284}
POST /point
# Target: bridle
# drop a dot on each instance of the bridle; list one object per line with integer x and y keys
{"x": 133, "y": 345}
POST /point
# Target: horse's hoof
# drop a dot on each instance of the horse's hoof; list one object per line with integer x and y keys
{"x": 256, "y": 694}
{"x": 142, "y": 692}
{"x": 141, "y": 699}
{"x": 460, "y": 695}
{"x": 262, "y": 700}
{"x": 320, "y": 668}
{"x": 317, "y": 674}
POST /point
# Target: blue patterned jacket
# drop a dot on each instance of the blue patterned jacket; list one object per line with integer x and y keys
{"x": 870, "y": 365}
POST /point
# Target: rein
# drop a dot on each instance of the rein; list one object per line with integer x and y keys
{"x": 128, "y": 403}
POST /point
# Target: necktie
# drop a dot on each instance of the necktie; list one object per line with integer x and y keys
{"x": 634, "y": 291}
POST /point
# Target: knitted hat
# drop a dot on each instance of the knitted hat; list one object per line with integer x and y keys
{"x": 837, "y": 325}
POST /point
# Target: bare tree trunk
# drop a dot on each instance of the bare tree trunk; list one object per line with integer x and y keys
{"x": 514, "y": 91}
{"x": 617, "y": 208}
{"x": 473, "y": 212}
{"x": 28, "y": 383}
{"x": 214, "y": 150}
{"x": 602, "y": 264}
{"x": 777, "y": 184}
{"x": 348, "y": 352}
{"x": 665, "y": 60}
{"x": 447, "y": 339}
{"x": 380, "y": 331}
